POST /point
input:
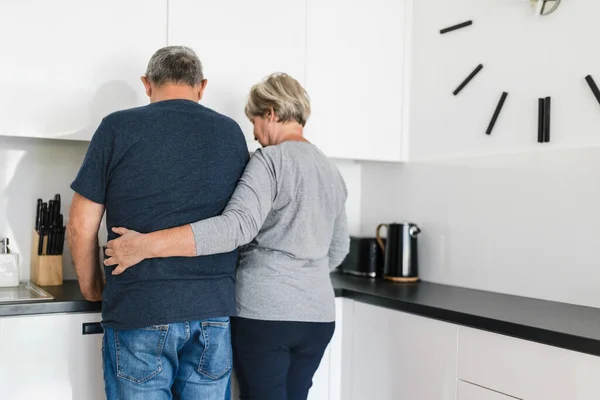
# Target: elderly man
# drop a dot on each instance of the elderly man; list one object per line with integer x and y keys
{"x": 169, "y": 163}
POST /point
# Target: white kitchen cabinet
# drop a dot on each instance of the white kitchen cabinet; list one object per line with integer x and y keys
{"x": 48, "y": 357}
{"x": 68, "y": 63}
{"x": 357, "y": 75}
{"x": 396, "y": 355}
{"x": 526, "y": 370}
{"x": 467, "y": 391}
{"x": 240, "y": 42}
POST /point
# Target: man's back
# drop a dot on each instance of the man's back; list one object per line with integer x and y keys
{"x": 166, "y": 164}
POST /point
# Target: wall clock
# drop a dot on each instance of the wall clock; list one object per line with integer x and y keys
{"x": 542, "y": 8}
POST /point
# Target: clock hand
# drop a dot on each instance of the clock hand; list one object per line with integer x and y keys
{"x": 539, "y": 8}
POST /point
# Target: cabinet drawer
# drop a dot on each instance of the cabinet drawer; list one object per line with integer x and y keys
{"x": 467, "y": 391}
{"x": 526, "y": 370}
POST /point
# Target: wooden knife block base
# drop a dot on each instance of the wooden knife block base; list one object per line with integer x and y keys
{"x": 45, "y": 270}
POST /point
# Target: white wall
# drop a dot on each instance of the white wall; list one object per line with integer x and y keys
{"x": 525, "y": 223}
{"x": 38, "y": 168}
{"x": 352, "y": 174}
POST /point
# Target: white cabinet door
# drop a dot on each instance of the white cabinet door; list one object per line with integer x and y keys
{"x": 401, "y": 356}
{"x": 500, "y": 362}
{"x": 240, "y": 42}
{"x": 466, "y": 391}
{"x": 357, "y": 69}
{"x": 68, "y": 63}
{"x": 48, "y": 357}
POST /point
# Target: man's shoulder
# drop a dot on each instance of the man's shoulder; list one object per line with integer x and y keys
{"x": 116, "y": 118}
{"x": 224, "y": 120}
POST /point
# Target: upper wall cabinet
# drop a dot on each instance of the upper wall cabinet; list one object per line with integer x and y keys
{"x": 357, "y": 70}
{"x": 240, "y": 42}
{"x": 68, "y": 63}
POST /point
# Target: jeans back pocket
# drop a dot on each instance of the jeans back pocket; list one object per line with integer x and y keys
{"x": 139, "y": 352}
{"x": 215, "y": 361}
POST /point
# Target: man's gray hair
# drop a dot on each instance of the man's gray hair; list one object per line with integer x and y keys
{"x": 176, "y": 65}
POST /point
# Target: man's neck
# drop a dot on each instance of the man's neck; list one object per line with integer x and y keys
{"x": 175, "y": 92}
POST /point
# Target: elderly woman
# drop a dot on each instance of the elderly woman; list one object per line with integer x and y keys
{"x": 289, "y": 209}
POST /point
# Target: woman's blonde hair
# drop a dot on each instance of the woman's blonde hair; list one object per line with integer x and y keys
{"x": 284, "y": 94}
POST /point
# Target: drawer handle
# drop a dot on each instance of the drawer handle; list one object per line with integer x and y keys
{"x": 92, "y": 328}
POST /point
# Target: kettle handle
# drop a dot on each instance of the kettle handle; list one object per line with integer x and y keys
{"x": 378, "y": 236}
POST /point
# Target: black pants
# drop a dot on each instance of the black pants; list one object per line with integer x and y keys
{"x": 276, "y": 360}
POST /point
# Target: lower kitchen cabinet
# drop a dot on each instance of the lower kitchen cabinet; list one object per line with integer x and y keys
{"x": 467, "y": 391}
{"x": 47, "y": 357}
{"x": 526, "y": 370}
{"x": 395, "y": 355}
{"x": 375, "y": 354}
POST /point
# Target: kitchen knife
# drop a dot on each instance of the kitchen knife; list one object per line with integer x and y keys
{"x": 56, "y": 242}
{"x": 56, "y": 247}
{"x": 43, "y": 228}
{"x": 41, "y": 241}
{"x": 44, "y": 221}
{"x": 57, "y": 203}
{"x": 38, "y": 211}
{"x": 62, "y": 240}
{"x": 50, "y": 213}
{"x": 50, "y": 245}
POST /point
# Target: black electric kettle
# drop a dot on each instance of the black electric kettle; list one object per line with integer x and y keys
{"x": 401, "y": 254}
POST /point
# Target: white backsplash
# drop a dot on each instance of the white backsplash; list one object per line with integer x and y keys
{"x": 524, "y": 224}
{"x": 32, "y": 169}
{"x": 38, "y": 168}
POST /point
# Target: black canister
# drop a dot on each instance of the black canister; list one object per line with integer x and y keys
{"x": 401, "y": 252}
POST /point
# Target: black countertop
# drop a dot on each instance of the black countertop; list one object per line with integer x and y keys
{"x": 557, "y": 324}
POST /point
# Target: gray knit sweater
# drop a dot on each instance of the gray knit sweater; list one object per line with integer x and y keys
{"x": 289, "y": 211}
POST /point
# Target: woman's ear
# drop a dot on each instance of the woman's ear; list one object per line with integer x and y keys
{"x": 271, "y": 116}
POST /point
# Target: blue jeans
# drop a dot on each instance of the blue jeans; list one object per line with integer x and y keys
{"x": 188, "y": 360}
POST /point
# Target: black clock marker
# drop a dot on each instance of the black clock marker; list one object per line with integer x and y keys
{"x": 544, "y": 105}
{"x": 496, "y": 113}
{"x": 466, "y": 81}
{"x": 593, "y": 86}
{"x": 540, "y": 120}
{"x": 547, "y": 120}
{"x": 457, "y": 26}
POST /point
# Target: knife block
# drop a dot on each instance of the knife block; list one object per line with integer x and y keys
{"x": 45, "y": 270}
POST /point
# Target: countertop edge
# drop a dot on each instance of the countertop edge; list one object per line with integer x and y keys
{"x": 518, "y": 331}
{"x": 49, "y": 307}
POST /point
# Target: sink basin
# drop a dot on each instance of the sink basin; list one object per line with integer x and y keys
{"x": 22, "y": 293}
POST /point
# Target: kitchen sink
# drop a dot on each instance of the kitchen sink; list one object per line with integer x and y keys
{"x": 25, "y": 292}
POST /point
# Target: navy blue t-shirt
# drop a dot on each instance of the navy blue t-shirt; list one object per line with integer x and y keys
{"x": 166, "y": 164}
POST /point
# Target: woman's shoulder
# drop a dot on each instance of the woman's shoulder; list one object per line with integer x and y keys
{"x": 293, "y": 148}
